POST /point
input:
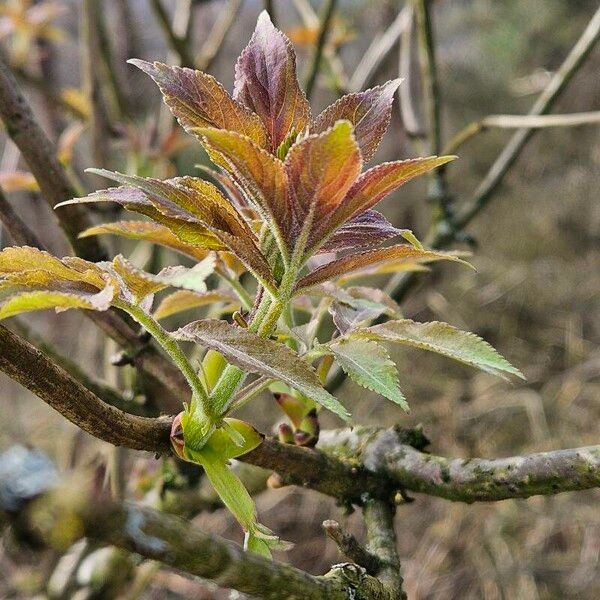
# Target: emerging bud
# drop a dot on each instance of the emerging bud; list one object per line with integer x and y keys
{"x": 177, "y": 437}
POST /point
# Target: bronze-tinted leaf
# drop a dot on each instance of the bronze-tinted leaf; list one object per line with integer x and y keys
{"x": 352, "y": 262}
{"x": 376, "y": 183}
{"x": 149, "y": 232}
{"x": 368, "y": 229}
{"x": 321, "y": 169}
{"x": 252, "y": 353}
{"x": 368, "y": 111}
{"x": 199, "y": 100}
{"x": 266, "y": 82}
{"x": 258, "y": 173}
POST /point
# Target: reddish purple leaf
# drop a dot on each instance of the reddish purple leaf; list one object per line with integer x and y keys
{"x": 368, "y": 111}
{"x": 199, "y": 100}
{"x": 320, "y": 171}
{"x": 266, "y": 82}
{"x": 368, "y": 229}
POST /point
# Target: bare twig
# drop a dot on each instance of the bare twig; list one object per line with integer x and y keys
{"x": 443, "y": 236}
{"x": 16, "y": 227}
{"x": 350, "y": 464}
{"x": 34, "y": 499}
{"x": 381, "y": 536}
{"x": 40, "y": 155}
{"x": 214, "y": 42}
{"x": 315, "y": 64}
{"x": 89, "y": 40}
{"x": 378, "y": 51}
{"x": 178, "y": 43}
{"x": 351, "y": 548}
{"x": 405, "y": 91}
{"x": 519, "y": 122}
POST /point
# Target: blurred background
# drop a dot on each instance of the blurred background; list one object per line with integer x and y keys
{"x": 535, "y": 295}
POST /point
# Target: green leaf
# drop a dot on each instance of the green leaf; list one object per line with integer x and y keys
{"x": 183, "y": 300}
{"x": 369, "y": 365}
{"x": 43, "y": 299}
{"x": 252, "y": 353}
{"x": 443, "y": 339}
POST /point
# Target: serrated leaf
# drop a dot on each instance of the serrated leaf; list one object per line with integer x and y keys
{"x": 259, "y": 355}
{"x": 183, "y": 300}
{"x": 376, "y": 183}
{"x": 44, "y": 299}
{"x": 199, "y": 100}
{"x": 368, "y": 111}
{"x": 444, "y": 339}
{"x": 368, "y": 229}
{"x": 134, "y": 284}
{"x": 259, "y": 174}
{"x": 321, "y": 169}
{"x": 148, "y": 232}
{"x": 266, "y": 82}
{"x": 360, "y": 260}
{"x": 194, "y": 210}
{"x": 369, "y": 365}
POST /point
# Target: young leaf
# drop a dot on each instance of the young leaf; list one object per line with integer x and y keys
{"x": 369, "y": 365}
{"x": 259, "y": 355}
{"x": 321, "y": 169}
{"x": 266, "y": 82}
{"x": 352, "y": 262}
{"x": 43, "y": 299}
{"x": 199, "y": 100}
{"x": 368, "y": 111}
{"x": 259, "y": 174}
{"x": 368, "y": 229}
{"x": 443, "y": 339}
{"x": 183, "y": 300}
{"x": 376, "y": 183}
{"x": 148, "y": 232}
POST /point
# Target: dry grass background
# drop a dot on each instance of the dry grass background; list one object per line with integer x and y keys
{"x": 535, "y": 296}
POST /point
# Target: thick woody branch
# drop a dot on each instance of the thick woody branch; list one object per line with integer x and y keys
{"x": 33, "y": 499}
{"x": 34, "y": 370}
{"x": 14, "y": 225}
{"x": 349, "y": 464}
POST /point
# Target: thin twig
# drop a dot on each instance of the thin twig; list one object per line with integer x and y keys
{"x": 519, "y": 122}
{"x": 39, "y": 153}
{"x": 378, "y": 51}
{"x": 214, "y": 41}
{"x": 351, "y": 548}
{"x": 442, "y": 237}
{"x": 412, "y": 127}
{"x": 179, "y": 44}
{"x": 315, "y": 65}
{"x": 16, "y": 227}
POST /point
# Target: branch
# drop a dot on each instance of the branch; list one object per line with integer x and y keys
{"x": 351, "y": 548}
{"x": 33, "y": 498}
{"x": 519, "y": 122}
{"x": 326, "y": 22}
{"x": 405, "y": 92}
{"x": 443, "y": 236}
{"x": 381, "y": 536}
{"x": 348, "y": 464}
{"x": 14, "y": 225}
{"x": 40, "y": 155}
{"x": 32, "y": 369}
{"x": 214, "y": 41}
{"x": 178, "y": 44}
{"x": 379, "y": 50}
